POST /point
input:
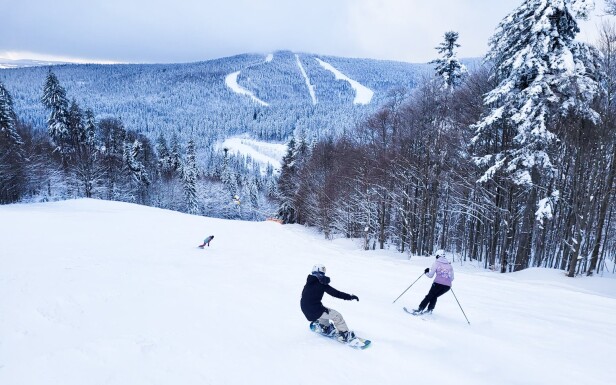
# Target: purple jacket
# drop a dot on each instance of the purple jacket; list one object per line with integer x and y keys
{"x": 443, "y": 270}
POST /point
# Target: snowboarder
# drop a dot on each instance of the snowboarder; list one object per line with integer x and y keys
{"x": 442, "y": 283}
{"x": 206, "y": 241}
{"x": 316, "y": 285}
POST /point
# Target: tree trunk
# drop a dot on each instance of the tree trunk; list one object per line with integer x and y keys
{"x": 594, "y": 256}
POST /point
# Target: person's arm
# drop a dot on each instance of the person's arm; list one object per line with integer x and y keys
{"x": 338, "y": 294}
{"x": 430, "y": 273}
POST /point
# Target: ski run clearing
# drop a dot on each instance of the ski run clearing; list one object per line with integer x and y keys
{"x": 261, "y": 152}
{"x": 231, "y": 82}
{"x": 97, "y": 292}
{"x": 363, "y": 94}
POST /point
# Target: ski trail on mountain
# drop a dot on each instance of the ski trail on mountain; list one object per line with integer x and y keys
{"x": 310, "y": 86}
{"x": 231, "y": 82}
{"x": 363, "y": 94}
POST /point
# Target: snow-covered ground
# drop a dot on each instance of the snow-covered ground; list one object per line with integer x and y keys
{"x": 363, "y": 94}
{"x": 231, "y": 82}
{"x": 97, "y": 292}
{"x": 261, "y": 152}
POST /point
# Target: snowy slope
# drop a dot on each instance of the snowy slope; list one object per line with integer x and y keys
{"x": 262, "y": 152}
{"x": 99, "y": 292}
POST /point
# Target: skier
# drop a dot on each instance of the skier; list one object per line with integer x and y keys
{"x": 206, "y": 241}
{"x": 312, "y": 307}
{"x": 442, "y": 283}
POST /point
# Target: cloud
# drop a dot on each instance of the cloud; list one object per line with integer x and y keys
{"x": 191, "y": 30}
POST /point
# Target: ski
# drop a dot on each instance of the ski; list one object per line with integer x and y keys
{"x": 422, "y": 315}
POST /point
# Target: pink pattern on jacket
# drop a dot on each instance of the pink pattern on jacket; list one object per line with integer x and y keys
{"x": 444, "y": 271}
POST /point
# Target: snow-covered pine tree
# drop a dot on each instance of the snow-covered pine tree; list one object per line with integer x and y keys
{"x": 165, "y": 162}
{"x": 287, "y": 186}
{"x": 448, "y": 67}
{"x": 542, "y": 74}
{"x": 54, "y": 99}
{"x": 76, "y": 125}
{"x": 189, "y": 179}
{"x": 176, "y": 158}
{"x": 140, "y": 179}
{"x": 539, "y": 69}
{"x": 90, "y": 128}
{"x": 87, "y": 169}
{"x": 11, "y": 151}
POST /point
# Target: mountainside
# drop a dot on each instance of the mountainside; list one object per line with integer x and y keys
{"x": 94, "y": 293}
{"x": 265, "y": 96}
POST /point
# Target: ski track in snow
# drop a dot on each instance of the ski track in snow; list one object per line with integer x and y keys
{"x": 310, "y": 86}
{"x": 113, "y": 293}
{"x": 231, "y": 82}
{"x": 363, "y": 94}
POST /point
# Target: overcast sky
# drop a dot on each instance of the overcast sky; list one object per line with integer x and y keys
{"x": 168, "y": 31}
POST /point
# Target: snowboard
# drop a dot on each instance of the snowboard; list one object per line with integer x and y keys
{"x": 422, "y": 315}
{"x": 355, "y": 343}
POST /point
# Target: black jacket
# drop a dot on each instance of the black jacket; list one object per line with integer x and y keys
{"x": 313, "y": 294}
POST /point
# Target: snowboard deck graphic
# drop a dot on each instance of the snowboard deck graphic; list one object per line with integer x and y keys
{"x": 355, "y": 343}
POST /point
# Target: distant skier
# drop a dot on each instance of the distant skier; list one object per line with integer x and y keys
{"x": 442, "y": 283}
{"x": 316, "y": 285}
{"x": 206, "y": 241}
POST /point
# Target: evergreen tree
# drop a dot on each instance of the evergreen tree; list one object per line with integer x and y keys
{"x": 76, "y": 126}
{"x": 165, "y": 160}
{"x": 536, "y": 62}
{"x": 287, "y": 185}
{"x": 113, "y": 134}
{"x": 54, "y": 99}
{"x": 175, "y": 156}
{"x": 84, "y": 164}
{"x": 132, "y": 153}
{"x": 11, "y": 151}
{"x": 541, "y": 75}
{"x": 448, "y": 66}
{"x": 189, "y": 179}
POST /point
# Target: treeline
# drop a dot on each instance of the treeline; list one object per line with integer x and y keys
{"x": 510, "y": 164}
{"x": 79, "y": 156}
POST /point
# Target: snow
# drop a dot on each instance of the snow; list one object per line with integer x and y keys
{"x": 363, "y": 94}
{"x": 104, "y": 292}
{"x": 262, "y": 152}
{"x": 231, "y": 82}
{"x": 310, "y": 86}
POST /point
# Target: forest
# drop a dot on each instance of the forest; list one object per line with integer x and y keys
{"x": 509, "y": 163}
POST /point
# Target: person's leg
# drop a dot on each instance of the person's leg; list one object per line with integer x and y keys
{"x": 438, "y": 291}
{"x": 431, "y": 296}
{"x": 336, "y": 318}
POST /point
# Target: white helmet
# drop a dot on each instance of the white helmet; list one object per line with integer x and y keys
{"x": 440, "y": 253}
{"x": 318, "y": 268}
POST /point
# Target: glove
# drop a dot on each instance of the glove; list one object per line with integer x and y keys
{"x": 354, "y": 297}
{"x": 427, "y": 270}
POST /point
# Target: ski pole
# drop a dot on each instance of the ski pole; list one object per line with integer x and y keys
{"x": 407, "y": 289}
{"x": 454, "y": 296}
